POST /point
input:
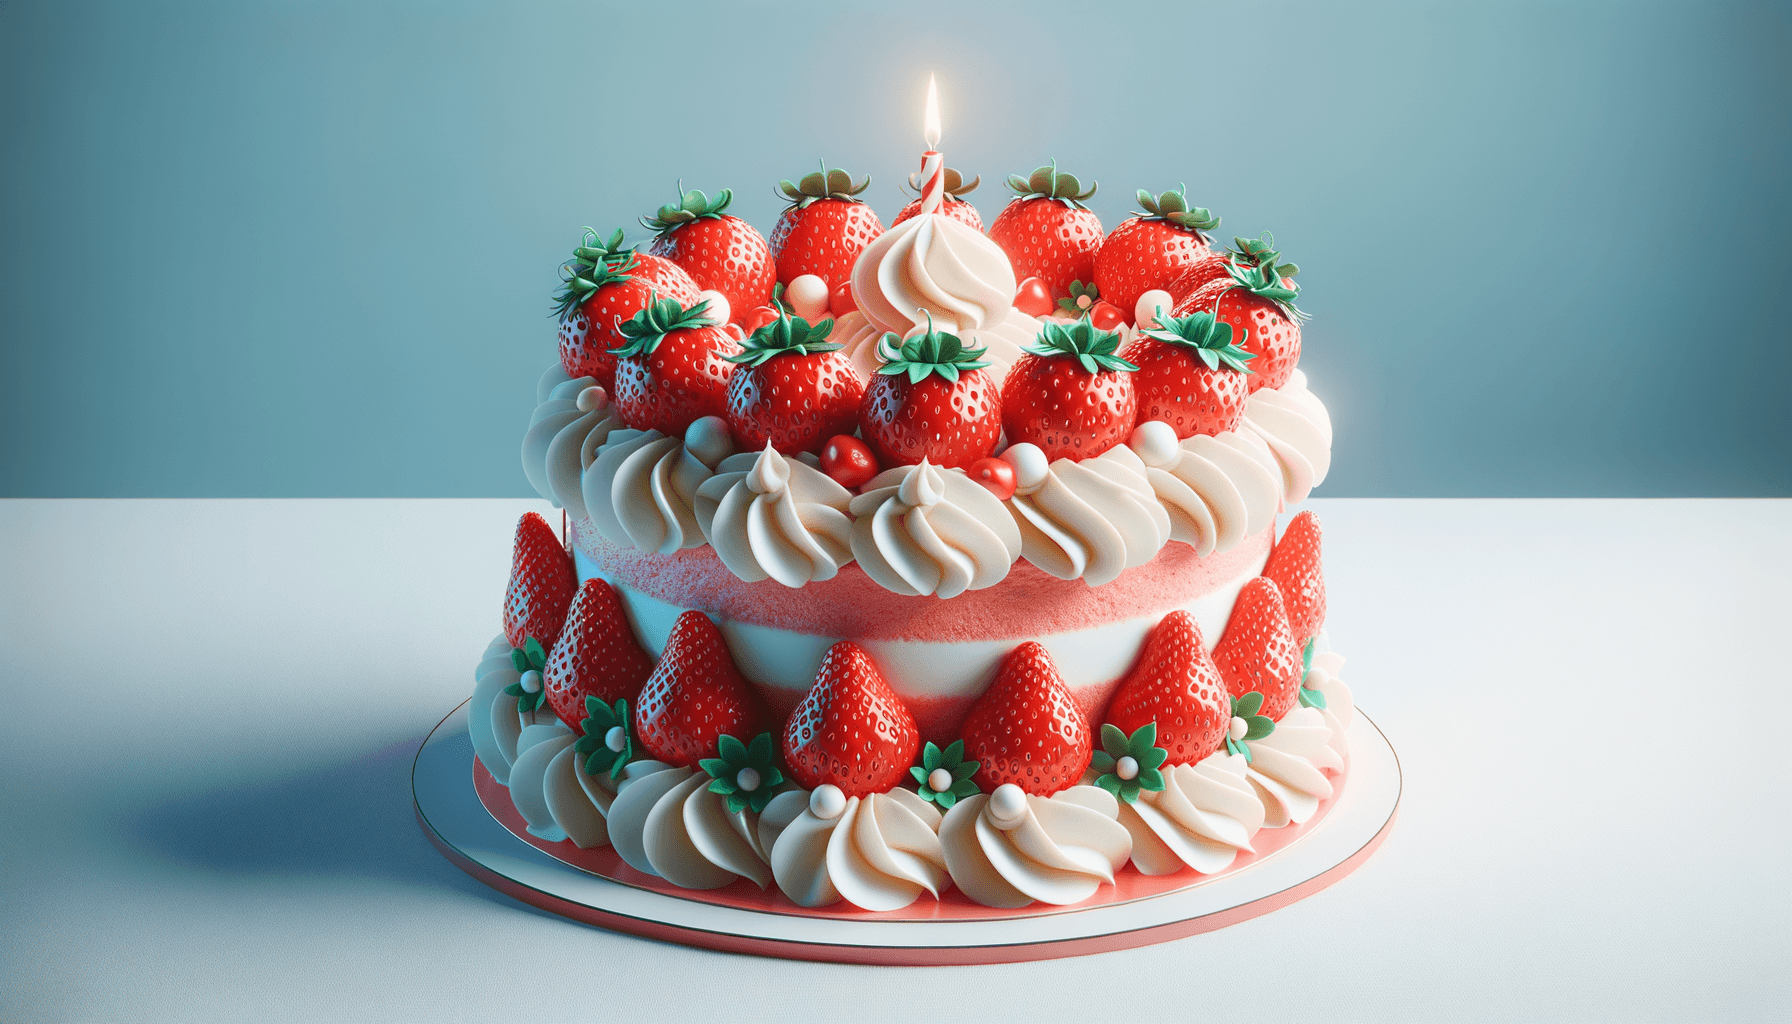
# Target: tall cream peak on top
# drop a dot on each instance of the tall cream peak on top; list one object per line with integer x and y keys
{"x": 933, "y": 265}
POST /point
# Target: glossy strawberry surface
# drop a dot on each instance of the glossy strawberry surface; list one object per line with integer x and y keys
{"x": 1050, "y": 240}
{"x": 725, "y": 254}
{"x": 588, "y": 332}
{"x": 1294, "y": 565}
{"x": 949, "y": 423}
{"x": 1264, "y": 326}
{"x": 695, "y": 696}
{"x": 596, "y": 656}
{"x": 1057, "y": 404}
{"x": 823, "y": 238}
{"x": 793, "y": 402}
{"x": 1257, "y": 653}
{"x": 541, "y": 584}
{"x": 682, "y": 380}
{"x": 1142, "y": 254}
{"x": 1176, "y": 685}
{"x": 1026, "y": 728}
{"x": 850, "y": 729}
{"x": 1172, "y": 384}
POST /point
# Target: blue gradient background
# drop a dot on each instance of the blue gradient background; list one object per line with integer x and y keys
{"x": 306, "y": 248}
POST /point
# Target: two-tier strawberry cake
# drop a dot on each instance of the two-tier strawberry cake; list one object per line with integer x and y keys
{"x": 920, "y": 564}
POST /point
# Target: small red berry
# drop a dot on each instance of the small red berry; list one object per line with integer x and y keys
{"x": 758, "y": 317}
{"x": 849, "y": 461}
{"x": 1106, "y": 316}
{"x": 841, "y": 302}
{"x": 1033, "y": 298}
{"x": 996, "y": 476}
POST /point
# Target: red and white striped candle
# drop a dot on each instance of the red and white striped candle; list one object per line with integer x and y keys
{"x": 933, "y": 165}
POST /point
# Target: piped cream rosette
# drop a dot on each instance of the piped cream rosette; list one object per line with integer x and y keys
{"x": 877, "y": 852}
{"x": 1010, "y": 849}
{"x": 572, "y": 418}
{"x": 641, "y": 486}
{"x": 769, "y": 517}
{"x": 926, "y": 530}
{"x": 667, "y": 822}
{"x": 1091, "y": 519}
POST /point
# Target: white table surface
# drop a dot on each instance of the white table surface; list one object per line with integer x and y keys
{"x": 213, "y": 707}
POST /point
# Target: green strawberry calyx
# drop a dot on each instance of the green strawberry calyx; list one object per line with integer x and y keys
{"x": 594, "y": 263}
{"x": 530, "y": 657}
{"x": 955, "y": 183}
{"x": 787, "y": 335}
{"x": 827, "y": 183}
{"x": 1257, "y": 726}
{"x": 1261, "y": 252}
{"x": 1309, "y": 698}
{"x": 609, "y": 743}
{"x": 1262, "y": 280}
{"x": 931, "y": 351}
{"x": 660, "y": 317}
{"x": 1128, "y": 765}
{"x": 953, "y": 762}
{"x": 1049, "y": 183}
{"x": 1173, "y": 207}
{"x": 1207, "y": 337}
{"x": 744, "y": 773}
{"x": 691, "y": 207}
{"x": 1082, "y": 341}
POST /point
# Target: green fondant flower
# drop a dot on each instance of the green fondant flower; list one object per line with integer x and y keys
{"x": 1254, "y": 726}
{"x": 1309, "y": 698}
{"x": 529, "y": 659}
{"x": 1083, "y": 298}
{"x": 744, "y": 774}
{"x": 1129, "y": 764}
{"x": 608, "y": 743}
{"x": 952, "y": 786}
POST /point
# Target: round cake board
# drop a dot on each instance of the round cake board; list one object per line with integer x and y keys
{"x": 1303, "y": 861}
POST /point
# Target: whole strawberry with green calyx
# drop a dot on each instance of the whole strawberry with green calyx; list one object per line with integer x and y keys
{"x": 603, "y": 285}
{"x": 1257, "y": 300}
{"x": 1046, "y": 230}
{"x": 595, "y": 657}
{"x": 695, "y": 696}
{"x": 1177, "y": 686}
{"x": 1069, "y": 393}
{"x": 792, "y": 389}
{"x": 1246, "y": 252}
{"x": 673, "y": 367}
{"x": 951, "y": 204}
{"x": 1027, "y": 729}
{"x": 930, "y": 400}
{"x": 719, "y": 251}
{"x": 825, "y": 228}
{"x": 1191, "y": 375}
{"x": 1152, "y": 249}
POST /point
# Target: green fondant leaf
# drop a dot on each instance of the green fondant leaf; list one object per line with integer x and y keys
{"x": 1111, "y": 783}
{"x": 1152, "y": 779}
{"x": 519, "y": 660}
{"x": 1102, "y": 761}
{"x": 538, "y": 658}
{"x": 714, "y": 766}
{"x": 733, "y": 751}
{"x": 1247, "y": 705}
{"x": 1113, "y": 741}
{"x": 1259, "y": 727}
{"x": 920, "y": 772}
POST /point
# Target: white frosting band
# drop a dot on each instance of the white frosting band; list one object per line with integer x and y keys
{"x": 880, "y": 853}
{"x": 923, "y": 530}
{"x": 1059, "y": 851}
{"x": 772, "y": 517}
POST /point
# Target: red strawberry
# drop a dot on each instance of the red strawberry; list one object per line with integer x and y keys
{"x": 1257, "y": 299}
{"x": 1176, "y": 685}
{"x": 1190, "y": 375}
{"x": 719, "y": 251}
{"x": 792, "y": 388}
{"x": 695, "y": 696}
{"x": 1069, "y": 393}
{"x": 674, "y": 368}
{"x": 1027, "y": 728}
{"x": 950, "y": 204}
{"x": 930, "y": 400}
{"x": 1047, "y": 232}
{"x": 604, "y": 285}
{"x": 851, "y": 730}
{"x": 1250, "y": 252}
{"x": 541, "y": 587}
{"x": 1152, "y": 249}
{"x": 596, "y": 656}
{"x": 1294, "y": 566}
{"x": 825, "y": 228}
{"x": 1257, "y": 653}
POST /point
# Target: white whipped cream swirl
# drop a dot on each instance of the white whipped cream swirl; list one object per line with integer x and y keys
{"x": 641, "y": 488}
{"x": 666, "y": 822}
{"x": 1216, "y": 490}
{"x": 938, "y": 265}
{"x": 772, "y": 517}
{"x": 563, "y": 436}
{"x": 1012, "y": 849}
{"x": 1288, "y": 767}
{"x": 878, "y": 852}
{"x": 924, "y": 530}
{"x": 1295, "y": 425}
{"x": 1091, "y": 519}
{"x": 1203, "y": 818}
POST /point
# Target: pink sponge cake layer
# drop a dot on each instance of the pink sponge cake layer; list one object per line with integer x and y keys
{"x": 939, "y": 655}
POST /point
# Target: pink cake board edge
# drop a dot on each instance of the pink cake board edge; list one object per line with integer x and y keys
{"x": 906, "y": 956}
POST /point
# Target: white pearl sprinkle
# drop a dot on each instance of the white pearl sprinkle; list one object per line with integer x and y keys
{"x": 827, "y": 802}
{"x": 1127, "y": 768}
{"x": 616, "y": 738}
{"x": 718, "y": 305}
{"x": 1007, "y": 806}
{"x": 1144, "y": 312}
{"x": 747, "y": 781}
{"x": 531, "y": 681}
{"x": 1239, "y": 728}
{"x": 939, "y": 780}
{"x": 807, "y": 297}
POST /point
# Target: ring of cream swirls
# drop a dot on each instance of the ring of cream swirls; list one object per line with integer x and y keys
{"x": 880, "y": 853}
{"x": 772, "y": 517}
{"x": 923, "y": 530}
{"x": 641, "y": 487}
{"x": 1060, "y": 851}
{"x": 1091, "y": 519}
{"x": 666, "y": 822}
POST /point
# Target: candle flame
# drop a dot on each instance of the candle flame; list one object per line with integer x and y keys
{"x": 930, "y": 125}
